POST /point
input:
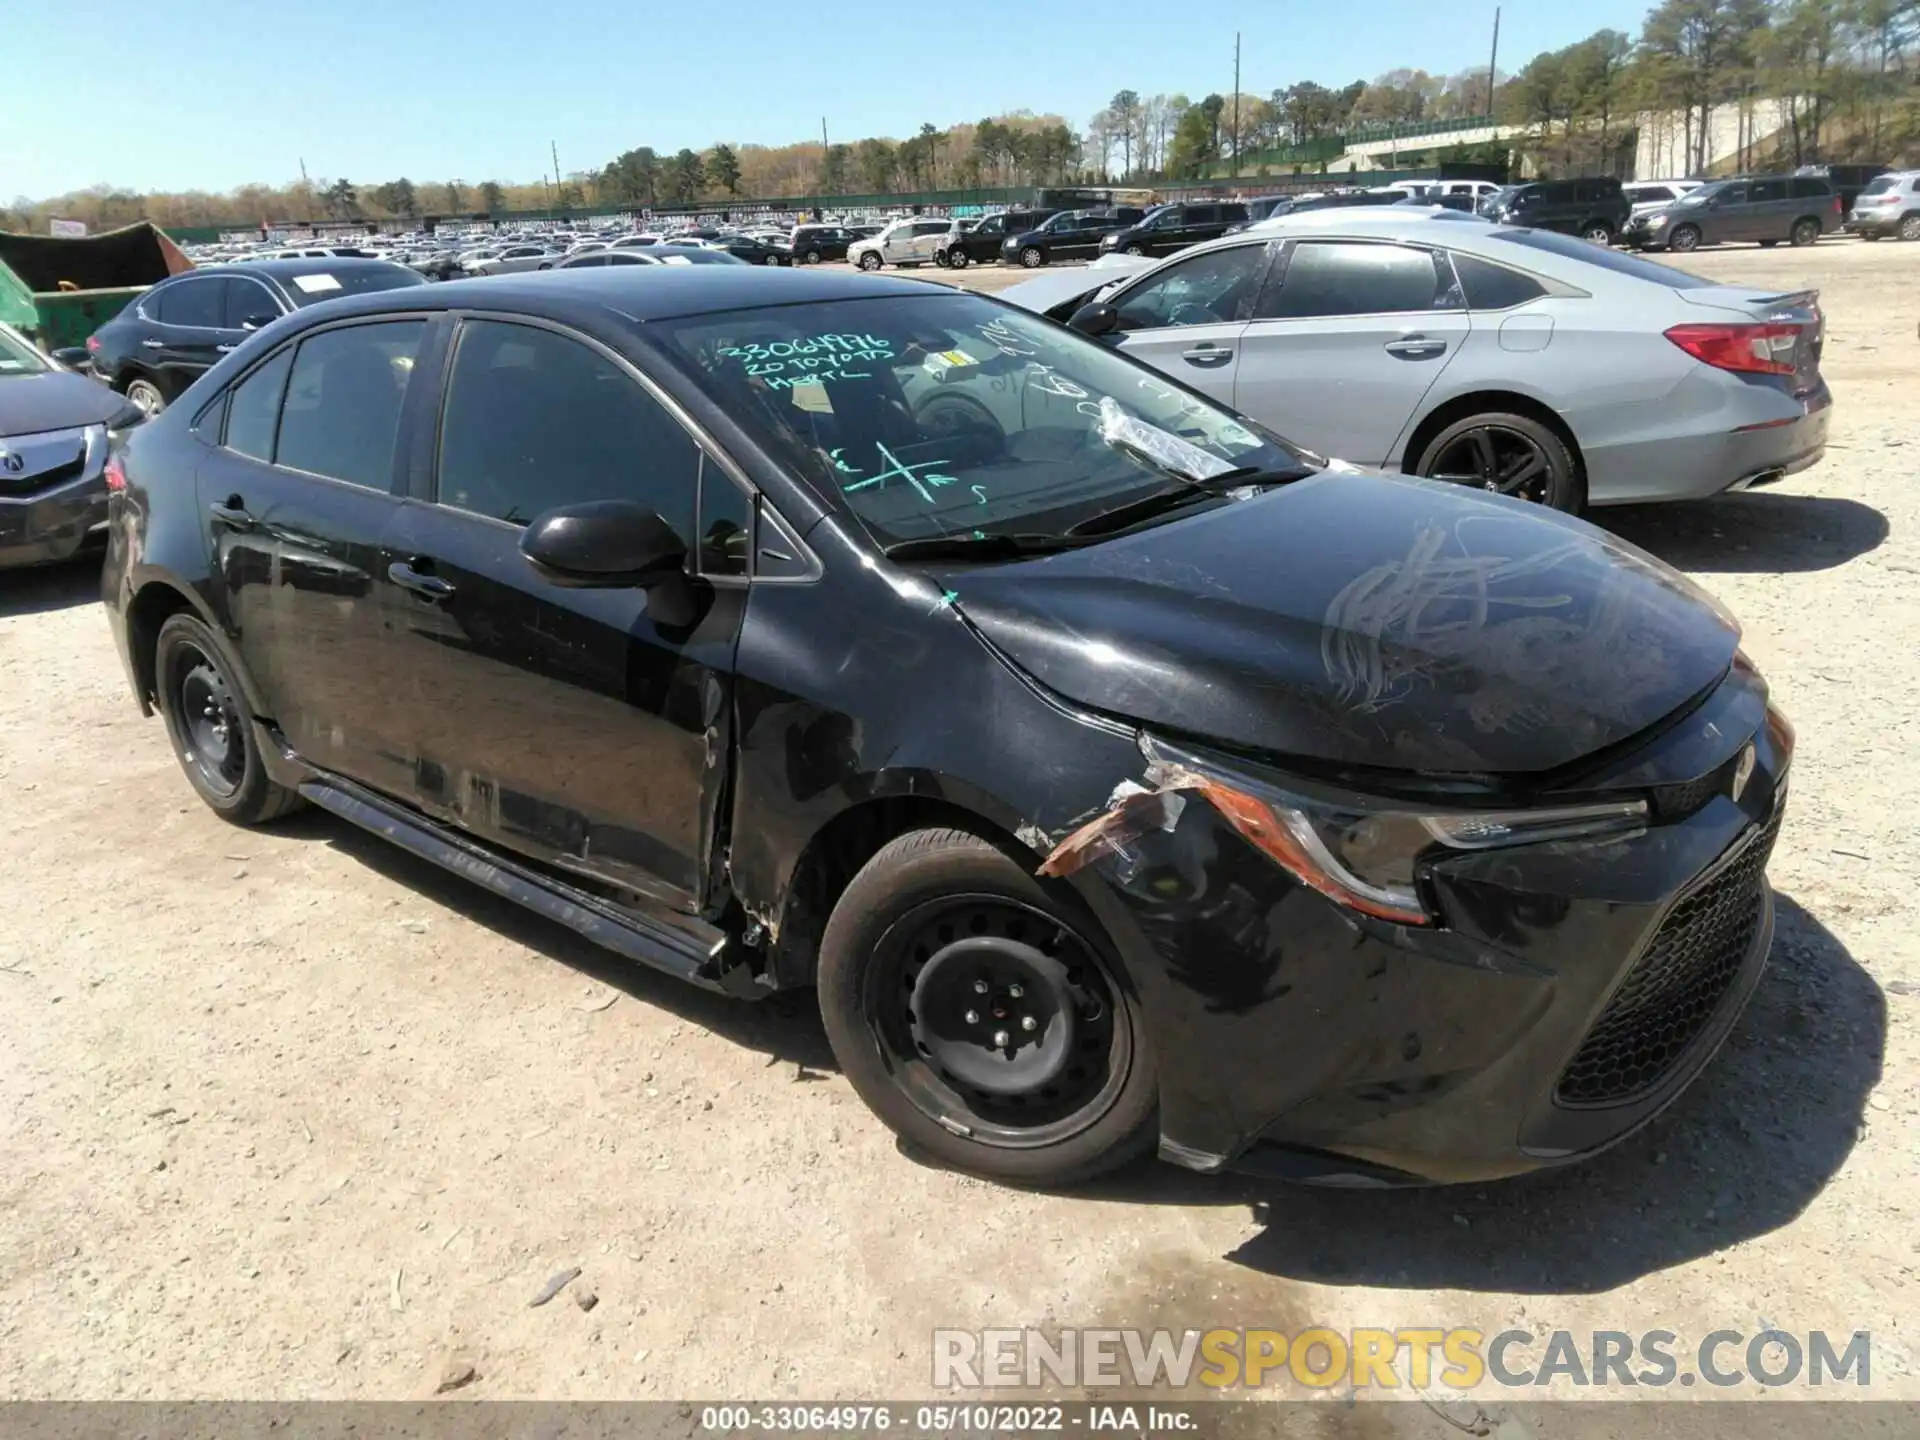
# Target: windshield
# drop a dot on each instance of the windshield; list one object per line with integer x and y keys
{"x": 19, "y": 358}
{"x": 1701, "y": 195}
{"x": 942, "y": 415}
{"x": 318, "y": 285}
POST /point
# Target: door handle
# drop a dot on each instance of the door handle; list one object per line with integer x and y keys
{"x": 1207, "y": 355}
{"x": 427, "y": 587}
{"x": 1416, "y": 347}
{"x": 152, "y": 345}
{"x": 224, "y": 349}
{"x": 232, "y": 513}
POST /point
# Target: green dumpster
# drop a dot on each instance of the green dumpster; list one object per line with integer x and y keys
{"x": 60, "y": 290}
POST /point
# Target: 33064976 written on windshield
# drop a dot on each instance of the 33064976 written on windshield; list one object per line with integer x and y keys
{"x": 951, "y": 415}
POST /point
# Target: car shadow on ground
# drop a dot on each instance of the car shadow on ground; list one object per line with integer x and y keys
{"x": 1743, "y": 1152}
{"x": 44, "y": 588}
{"x": 1755, "y": 532}
{"x": 785, "y": 1027}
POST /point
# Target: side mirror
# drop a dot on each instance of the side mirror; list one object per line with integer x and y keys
{"x": 1095, "y": 320}
{"x": 74, "y": 357}
{"x": 603, "y": 543}
{"x": 259, "y": 321}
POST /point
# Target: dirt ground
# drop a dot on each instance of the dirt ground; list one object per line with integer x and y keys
{"x": 287, "y": 1114}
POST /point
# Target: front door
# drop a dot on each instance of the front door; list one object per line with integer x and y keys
{"x": 1347, "y": 340}
{"x": 295, "y": 498}
{"x": 587, "y": 728}
{"x": 1187, "y": 318}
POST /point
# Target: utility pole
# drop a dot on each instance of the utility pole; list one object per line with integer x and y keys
{"x": 306, "y": 192}
{"x": 1236, "y": 100}
{"x": 1493, "y": 61}
{"x": 553, "y": 148}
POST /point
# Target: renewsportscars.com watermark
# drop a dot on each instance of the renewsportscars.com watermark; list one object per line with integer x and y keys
{"x": 1320, "y": 1358}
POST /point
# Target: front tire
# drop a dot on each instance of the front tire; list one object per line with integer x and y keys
{"x": 870, "y": 261}
{"x": 1805, "y": 233}
{"x": 1032, "y": 258}
{"x": 207, "y": 720}
{"x": 982, "y": 1017}
{"x": 1507, "y": 454}
{"x": 1685, "y": 238}
{"x": 1136, "y": 250}
{"x": 959, "y": 259}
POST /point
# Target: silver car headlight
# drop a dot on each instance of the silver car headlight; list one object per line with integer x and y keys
{"x": 1362, "y": 852}
{"x": 1655, "y": 222}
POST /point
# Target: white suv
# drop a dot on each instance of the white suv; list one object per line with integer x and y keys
{"x": 905, "y": 242}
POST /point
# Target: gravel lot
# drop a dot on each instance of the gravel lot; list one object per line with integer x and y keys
{"x": 289, "y": 1114}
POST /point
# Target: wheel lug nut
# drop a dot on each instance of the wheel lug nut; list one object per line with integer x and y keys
{"x": 973, "y": 1017}
{"x": 1027, "y": 1022}
{"x": 1000, "y": 1038}
{"x": 1015, "y": 991}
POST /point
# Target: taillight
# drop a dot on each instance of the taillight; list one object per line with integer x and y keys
{"x": 116, "y": 475}
{"x": 1749, "y": 349}
{"x": 1838, "y": 208}
{"x": 93, "y": 344}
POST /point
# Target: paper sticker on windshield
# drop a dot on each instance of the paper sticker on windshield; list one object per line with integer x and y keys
{"x": 942, "y": 361}
{"x": 1157, "y": 447}
{"x": 316, "y": 284}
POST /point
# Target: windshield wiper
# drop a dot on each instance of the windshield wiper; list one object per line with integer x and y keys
{"x": 978, "y": 546}
{"x": 1186, "y": 491}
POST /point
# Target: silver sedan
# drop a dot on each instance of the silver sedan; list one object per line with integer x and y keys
{"x": 1511, "y": 359}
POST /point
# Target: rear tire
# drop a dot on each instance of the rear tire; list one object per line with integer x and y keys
{"x": 1805, "y": 232}
{"x": 207, "y": 720}
{"x": 956, "y": 987}
{"x": 1597, "y": 232}
{"x": 1508, "y": 454}
{"x": 812, "y": 257}
{"x": 146, "y": 396}
{"x": 1909, "y": 228}
{"x": 1685, "y": 238}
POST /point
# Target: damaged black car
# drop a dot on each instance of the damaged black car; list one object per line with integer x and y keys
{"x": 1120, "y": 776}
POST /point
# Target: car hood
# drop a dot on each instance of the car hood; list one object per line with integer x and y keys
{"x": 1359, "y": 619}
{"x": 1042, "y": 293}
{"x": 59, "y": 400}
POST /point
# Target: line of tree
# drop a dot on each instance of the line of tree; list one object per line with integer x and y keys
{"x": 1843, "y": 74}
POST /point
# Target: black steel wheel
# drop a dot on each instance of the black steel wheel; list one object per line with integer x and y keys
{"x": 1805, "y": 232}
{"x": 1507, "y": 454}
{"x": 1684, "y": 238}
{"x": 981, "y": 1016}
{"x": 208, "y": 722}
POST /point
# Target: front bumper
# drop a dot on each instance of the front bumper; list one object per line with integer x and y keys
{"x": 54, "y": 524}
{"x": 1569, "y": 992}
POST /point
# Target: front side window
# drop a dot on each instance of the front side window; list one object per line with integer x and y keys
{"x": 1210, "y": 289}
{"x": 948, "y": 414}
{"x": 199, "y": 304}
{"x": 19, "y": 358}
{"x": 342, "y": 412}
{"x": 248, "y": 302}
{"x": 1329, "y": 278}
{"x": 535, "y": 420}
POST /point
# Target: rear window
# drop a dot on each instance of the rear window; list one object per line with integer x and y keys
{"x": 1649, "y": 194}
{"x": 1883, "y": 185}
{"x": 1618, "y": 261}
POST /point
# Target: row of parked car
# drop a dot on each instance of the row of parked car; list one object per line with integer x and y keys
{"x": 787, "y": 631}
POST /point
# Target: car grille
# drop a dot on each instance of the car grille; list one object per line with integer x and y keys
{"x": 43, "y": 461}
{"x": 1676, "y": 985}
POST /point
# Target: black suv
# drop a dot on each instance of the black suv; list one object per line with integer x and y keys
{"x": 982, "y": 243}
{"x": 811, "y": 244}
{"x": 804, "y": 632}
{"x": 1595, "y": 209}
{"x": 1070, "y": 235}
{"x": 179, "y": 329}
{"x": 1763, "y": 208}
{"x": 1174, "y": 227}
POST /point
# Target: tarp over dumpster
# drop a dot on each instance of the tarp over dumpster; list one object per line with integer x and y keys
{"x": 60, "y": 290}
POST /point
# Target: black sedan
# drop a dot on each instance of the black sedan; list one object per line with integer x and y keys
{"x": 56, "y": 427}
{"x": 1112, "y": 784}
{"x": 178, "y": 329}
{"x": 754, "y": 252}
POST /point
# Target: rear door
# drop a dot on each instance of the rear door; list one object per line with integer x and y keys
{"x": 588, "y": 728}
{"x": 1187, "y": 317}
{"x": 295, "y": 497}
{"x": 1769, "y": 212}
{"x": 189, "y": 330}
{"x": 1347, "y": 339}
{"x": 927, "y": 235}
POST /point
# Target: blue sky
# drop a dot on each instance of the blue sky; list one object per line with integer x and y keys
{"x": 209, "y": 94}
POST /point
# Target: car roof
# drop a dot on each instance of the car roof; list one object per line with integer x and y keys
{"x": 306, "y": 265}
{"x": 1395, "y": 222}
{"x": 637, "y": 292}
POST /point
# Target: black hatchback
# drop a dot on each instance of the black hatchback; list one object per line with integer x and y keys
{"x": 1114, "y": 785}
{"x": 176, "y": 331}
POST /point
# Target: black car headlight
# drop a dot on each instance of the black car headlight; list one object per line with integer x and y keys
{"x": 1364, "y": 852}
